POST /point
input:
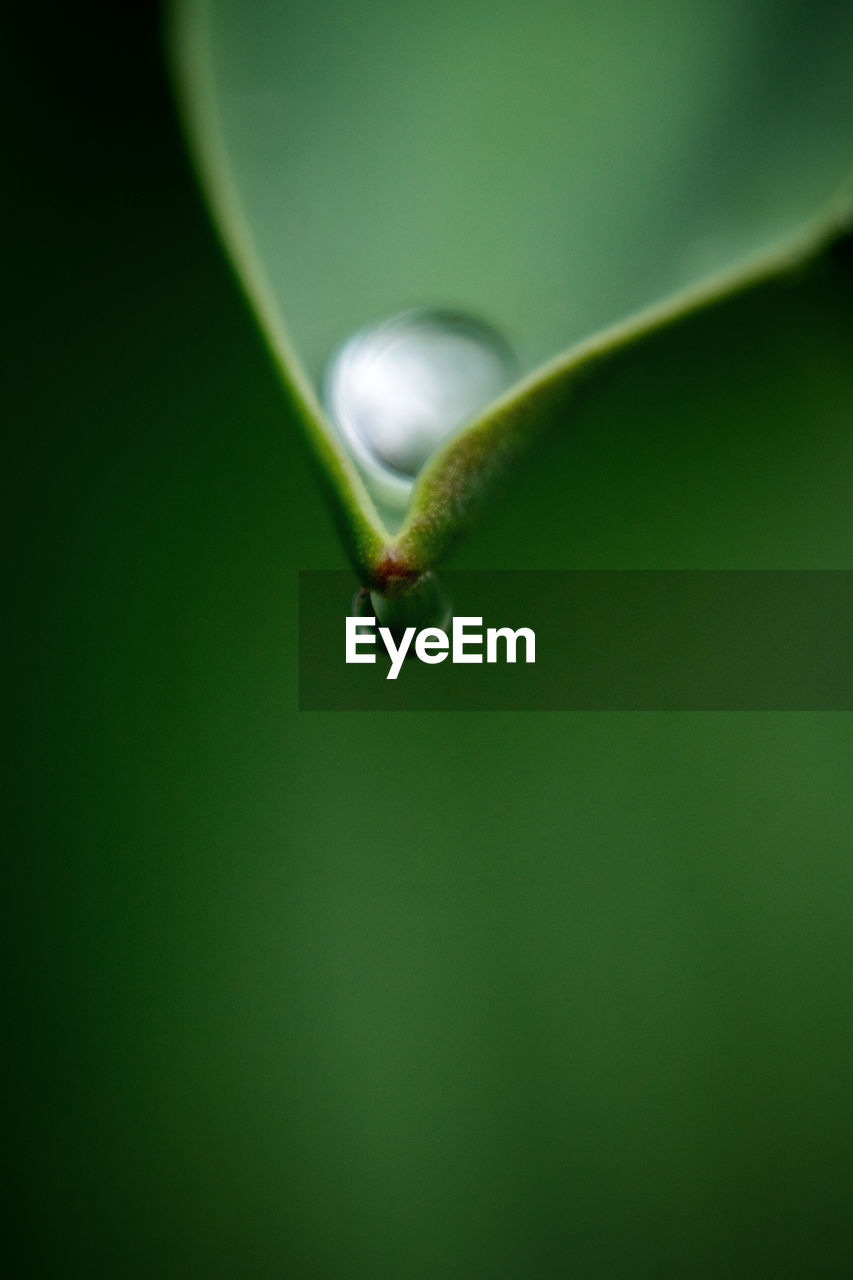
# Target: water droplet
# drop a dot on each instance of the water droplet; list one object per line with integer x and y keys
{"x": 426, "y": 603}
{"x": 398, "y": 390}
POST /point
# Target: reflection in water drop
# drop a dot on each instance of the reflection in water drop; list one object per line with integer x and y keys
{"x": 397, "y": 390}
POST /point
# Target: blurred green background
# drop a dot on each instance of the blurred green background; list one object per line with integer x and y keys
{"x": 330, "y": 995}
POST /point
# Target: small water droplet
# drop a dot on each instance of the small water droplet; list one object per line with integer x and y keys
{"x": 425, "y": 604}
{"x": 397, "y": 390}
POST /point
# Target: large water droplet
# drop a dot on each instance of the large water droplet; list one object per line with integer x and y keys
{"x": 399, "y": 389}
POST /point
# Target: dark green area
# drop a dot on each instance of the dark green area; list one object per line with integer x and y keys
{"x": 334, "y": 996}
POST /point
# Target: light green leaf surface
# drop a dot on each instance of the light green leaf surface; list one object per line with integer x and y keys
{"x": 576, "y": 174}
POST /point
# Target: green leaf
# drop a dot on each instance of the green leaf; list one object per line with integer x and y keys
{"x": 420, "y": 995}
{"x": 578, "y": 175}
